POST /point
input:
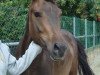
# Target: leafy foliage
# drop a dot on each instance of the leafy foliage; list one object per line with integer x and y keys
{"x": 79, "y": 8}
{"x": 12, "y": 19}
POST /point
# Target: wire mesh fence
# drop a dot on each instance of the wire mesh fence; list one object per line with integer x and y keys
{"x": 87, "y": 31}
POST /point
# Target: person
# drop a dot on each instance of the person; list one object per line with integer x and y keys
{"x": 9, "y": 64}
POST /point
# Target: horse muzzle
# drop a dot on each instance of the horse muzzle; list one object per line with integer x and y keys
{"x": 58, "y": 52}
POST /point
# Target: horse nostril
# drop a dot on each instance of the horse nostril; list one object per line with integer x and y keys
{"x": 59, "y": 49}
{"x": 56, "y": 46}
{"x": 59, "y": 46}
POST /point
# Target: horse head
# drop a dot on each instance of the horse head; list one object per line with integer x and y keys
{"x": 44, "y": 27}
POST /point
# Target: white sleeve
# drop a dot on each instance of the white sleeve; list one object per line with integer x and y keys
{"x": 16, "y": 67}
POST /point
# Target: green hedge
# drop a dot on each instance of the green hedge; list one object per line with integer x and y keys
{"x": 12, "y": 21}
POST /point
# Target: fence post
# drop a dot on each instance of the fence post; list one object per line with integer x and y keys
{"x": 74, "y": 26}
{"x": 63, "y": 24}
{"x": 85, "y": 33}
{"x": 94, "y": 34}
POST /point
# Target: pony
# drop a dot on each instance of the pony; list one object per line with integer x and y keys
{"x": 62, "y": 53}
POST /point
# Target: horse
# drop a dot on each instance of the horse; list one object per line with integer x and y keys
{"x": 62, "y": 53}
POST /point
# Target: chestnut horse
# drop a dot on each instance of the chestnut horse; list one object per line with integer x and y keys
{"x": 62, "y": 54}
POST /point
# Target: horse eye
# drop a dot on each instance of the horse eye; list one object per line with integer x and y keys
{"x": 37, "y": 14}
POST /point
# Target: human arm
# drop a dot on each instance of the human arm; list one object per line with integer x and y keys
{"x": 16, "y": 67}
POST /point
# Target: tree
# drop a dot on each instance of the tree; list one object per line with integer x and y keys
{"x": 79, "y": 8}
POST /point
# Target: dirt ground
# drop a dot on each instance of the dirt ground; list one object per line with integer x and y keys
{"x": 94, "y": 60}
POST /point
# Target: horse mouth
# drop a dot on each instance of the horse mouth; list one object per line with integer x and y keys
{"x": 57, "y": 55}
{"x": 56, "y": 58}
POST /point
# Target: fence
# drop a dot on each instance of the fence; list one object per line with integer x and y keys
{"x": 87, "y": 32}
